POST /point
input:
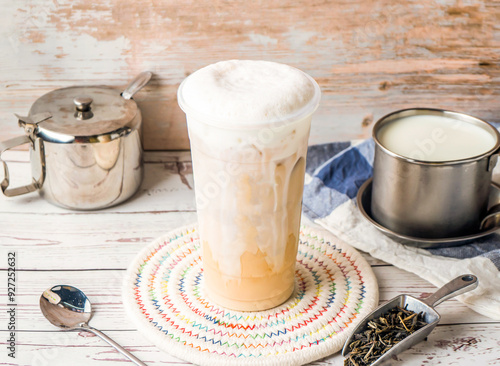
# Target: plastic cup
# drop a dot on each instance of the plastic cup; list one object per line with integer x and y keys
{"x": 249, "y": 182}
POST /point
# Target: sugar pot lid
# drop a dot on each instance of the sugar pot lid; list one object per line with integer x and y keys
{"x": 81, "y": 114}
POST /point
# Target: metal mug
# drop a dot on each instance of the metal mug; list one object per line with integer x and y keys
{"x": 429, "y": 199}
{"x": 85, "y": 146}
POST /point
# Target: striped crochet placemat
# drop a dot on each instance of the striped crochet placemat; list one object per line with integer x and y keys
{"x": 164, "y": 296}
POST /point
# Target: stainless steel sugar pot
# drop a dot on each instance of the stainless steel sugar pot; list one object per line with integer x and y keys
{"x": 85, "y": 146}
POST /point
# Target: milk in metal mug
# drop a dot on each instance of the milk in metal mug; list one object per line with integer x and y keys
{"x": 432, "y": 172}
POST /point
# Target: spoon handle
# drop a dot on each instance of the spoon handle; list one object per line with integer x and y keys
{"x": 137, "y": 84}
{"x": 119, "y": 348}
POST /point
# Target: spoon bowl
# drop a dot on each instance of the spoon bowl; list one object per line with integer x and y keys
{"x": 69, "y": 308}
{"x": 66, "y": 307}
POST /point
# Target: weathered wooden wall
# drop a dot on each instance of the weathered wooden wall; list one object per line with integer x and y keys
{"x": 369, "y": 57}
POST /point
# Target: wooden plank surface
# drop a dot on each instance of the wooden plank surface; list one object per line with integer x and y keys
{"x": 457, "y": 345}
{"x": 369, "y": 57}
{"x": 91, "y": 250}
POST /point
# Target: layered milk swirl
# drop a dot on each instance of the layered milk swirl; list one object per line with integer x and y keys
{"x": 248, "y": 124}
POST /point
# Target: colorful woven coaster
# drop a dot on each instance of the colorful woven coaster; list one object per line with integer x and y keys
{"x": 164, "y": 295}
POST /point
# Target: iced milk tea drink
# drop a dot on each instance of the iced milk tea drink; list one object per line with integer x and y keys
{"x": 248, "y": 124}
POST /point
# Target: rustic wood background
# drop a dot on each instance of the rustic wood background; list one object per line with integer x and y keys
{"x": 369, "y": 57}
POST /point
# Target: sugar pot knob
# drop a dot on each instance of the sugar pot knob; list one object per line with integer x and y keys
{"x": 83, "y": 107}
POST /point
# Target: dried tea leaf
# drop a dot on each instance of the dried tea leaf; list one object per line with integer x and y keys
{"x": 382, "y": 334}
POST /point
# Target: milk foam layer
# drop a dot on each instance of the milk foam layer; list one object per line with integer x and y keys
{"x": 253, "y": 105}
{"x": 435, "y": 138}
{"x": 247, "y": 93}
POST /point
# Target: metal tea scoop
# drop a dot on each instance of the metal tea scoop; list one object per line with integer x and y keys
{"x": 456, "y": 287}
{"x": 67, "y": 307}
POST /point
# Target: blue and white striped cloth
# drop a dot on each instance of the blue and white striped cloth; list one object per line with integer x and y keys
{"x": 334, "y": 173}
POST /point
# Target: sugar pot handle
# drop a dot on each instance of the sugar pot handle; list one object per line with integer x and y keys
{"x": 10, "y": 192}
{"x": 30, "y": 125}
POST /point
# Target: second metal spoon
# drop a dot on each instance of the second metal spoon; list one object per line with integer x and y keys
{"x": 67, "y": 307}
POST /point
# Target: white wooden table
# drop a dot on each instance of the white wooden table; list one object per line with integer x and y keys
{"x": 91, "y": 250}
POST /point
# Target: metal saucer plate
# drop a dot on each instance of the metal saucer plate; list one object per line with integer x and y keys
{"x": 363, "y": 200}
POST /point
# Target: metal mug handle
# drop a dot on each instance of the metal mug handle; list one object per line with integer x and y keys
{"x": 11, "y": 192}
{"x": 492, "y": 219}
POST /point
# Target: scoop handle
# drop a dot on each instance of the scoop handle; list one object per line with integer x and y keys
{"x": 458, "y": 286}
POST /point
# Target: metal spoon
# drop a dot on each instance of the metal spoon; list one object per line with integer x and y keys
{"x": 137, "y": 84}
{"x": 67, "y": 307}
{"x": 453, "y": 288}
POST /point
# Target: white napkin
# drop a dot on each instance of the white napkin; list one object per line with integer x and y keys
{"x": 336, "y": 171}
